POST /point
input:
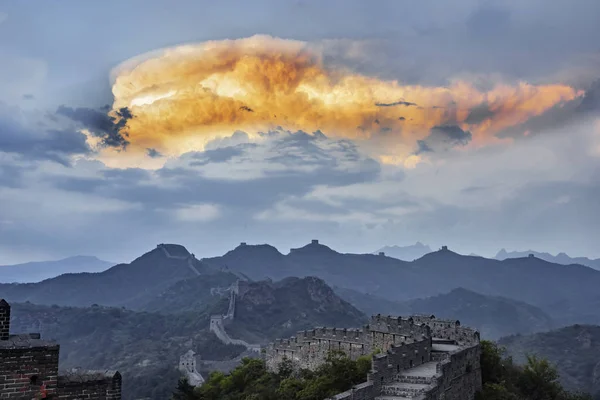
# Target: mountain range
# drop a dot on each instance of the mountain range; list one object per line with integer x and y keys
{"x": 169, "y": 296}
{"x": 493, "y": 316}
{"x": 568, "y": 294}
{"x": 560, "y": 258}
{"x": 418, "y": 250}
{"x": 405, "y": 253}
{"x": 123, "y": 284}
{"x": 39, "y": 270}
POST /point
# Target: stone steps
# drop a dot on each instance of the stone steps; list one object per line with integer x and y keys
{"x": 401, "y": 390}
{"x": 420, "y": 380}
{"x": 388, "y": 397}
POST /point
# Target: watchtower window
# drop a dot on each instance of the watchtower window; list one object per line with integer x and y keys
{"x": 33, "y": 379}
{"x": 398, "y": 368}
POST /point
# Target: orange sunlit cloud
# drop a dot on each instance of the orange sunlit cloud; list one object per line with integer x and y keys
{"x": 184, "y": 96}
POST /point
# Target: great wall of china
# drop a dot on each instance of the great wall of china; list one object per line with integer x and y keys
{"x": 189, "y": 258}
{"x": 188, "y": 362}
{"x": 419, "y": 357}
{"x": 218, "y": 322}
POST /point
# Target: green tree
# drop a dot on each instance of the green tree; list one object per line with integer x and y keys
{"x": 286, "y": 368}
{"x": 536, "y": 380}
{"x": 252, "y": 380}
{"x": 539, "y": 380}
{"x": 289, "y": 388}
{"x": 496, "y": 391}
{"x": 184, "y": 390}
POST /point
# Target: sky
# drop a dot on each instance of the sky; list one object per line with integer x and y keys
{"x": 473, "y": 124}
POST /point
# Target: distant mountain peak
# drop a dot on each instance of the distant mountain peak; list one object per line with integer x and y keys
{"x": 461, "y": 289}
{"x": 501, "y": 253}
{"x": 561, "y": 258}
{"x": 443, "y": 252}
{"x": 175, "y": 250}
{"x": 406, "y": 253}
{"x": 313, "y": 247}
{"x": 253, "y": 251}
{"x": 259, "y": 247}
{"x": 37, "y": 271}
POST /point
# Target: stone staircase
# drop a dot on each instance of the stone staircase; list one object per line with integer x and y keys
{"x": 406, "y": 387}
{"x": 411, "y": 379}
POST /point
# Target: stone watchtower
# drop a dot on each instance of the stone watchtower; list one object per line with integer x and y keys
{"x": 188, "y": 361}
{"x": 187, "y": 365}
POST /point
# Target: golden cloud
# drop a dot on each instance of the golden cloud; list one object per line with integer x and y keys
{"x": 184, "y": 96}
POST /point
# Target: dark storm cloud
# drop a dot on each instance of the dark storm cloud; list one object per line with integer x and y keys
{"x": 443, "y": 137}
{"x": 38, "y": 144}
{"x": 423, "y": 147}
{"x": 220, "y": 155}
{"x": 591, "y": 99}
{"x": 110, "y": 129}
{"x": 479, "y": 114}
{"x": 396, "y": 103}
{"x": 153, "y": 153}
{"x": 294, "y": 164}
{"x": 297, "y": 149}
{"x": 451, "y": 133}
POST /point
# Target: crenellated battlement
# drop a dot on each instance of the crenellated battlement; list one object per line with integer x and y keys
{"x": 344, "y": 334}
{"x": 412, "y": 356}
{"x": 408, "y": 326}
{"x": 286, "y": 343}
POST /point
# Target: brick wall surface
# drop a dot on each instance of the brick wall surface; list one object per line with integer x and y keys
{"x": 25, "y": 373}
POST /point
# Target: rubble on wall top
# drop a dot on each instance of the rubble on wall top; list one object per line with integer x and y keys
{"x": 26, "y": 341}
{"x": 78, "y": 376}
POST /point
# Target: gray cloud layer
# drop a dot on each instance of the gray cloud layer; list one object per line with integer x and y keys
{"x": 287, "y": 188}
{"x": 17, "y": 136}
{"x": 110, "y": 129}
